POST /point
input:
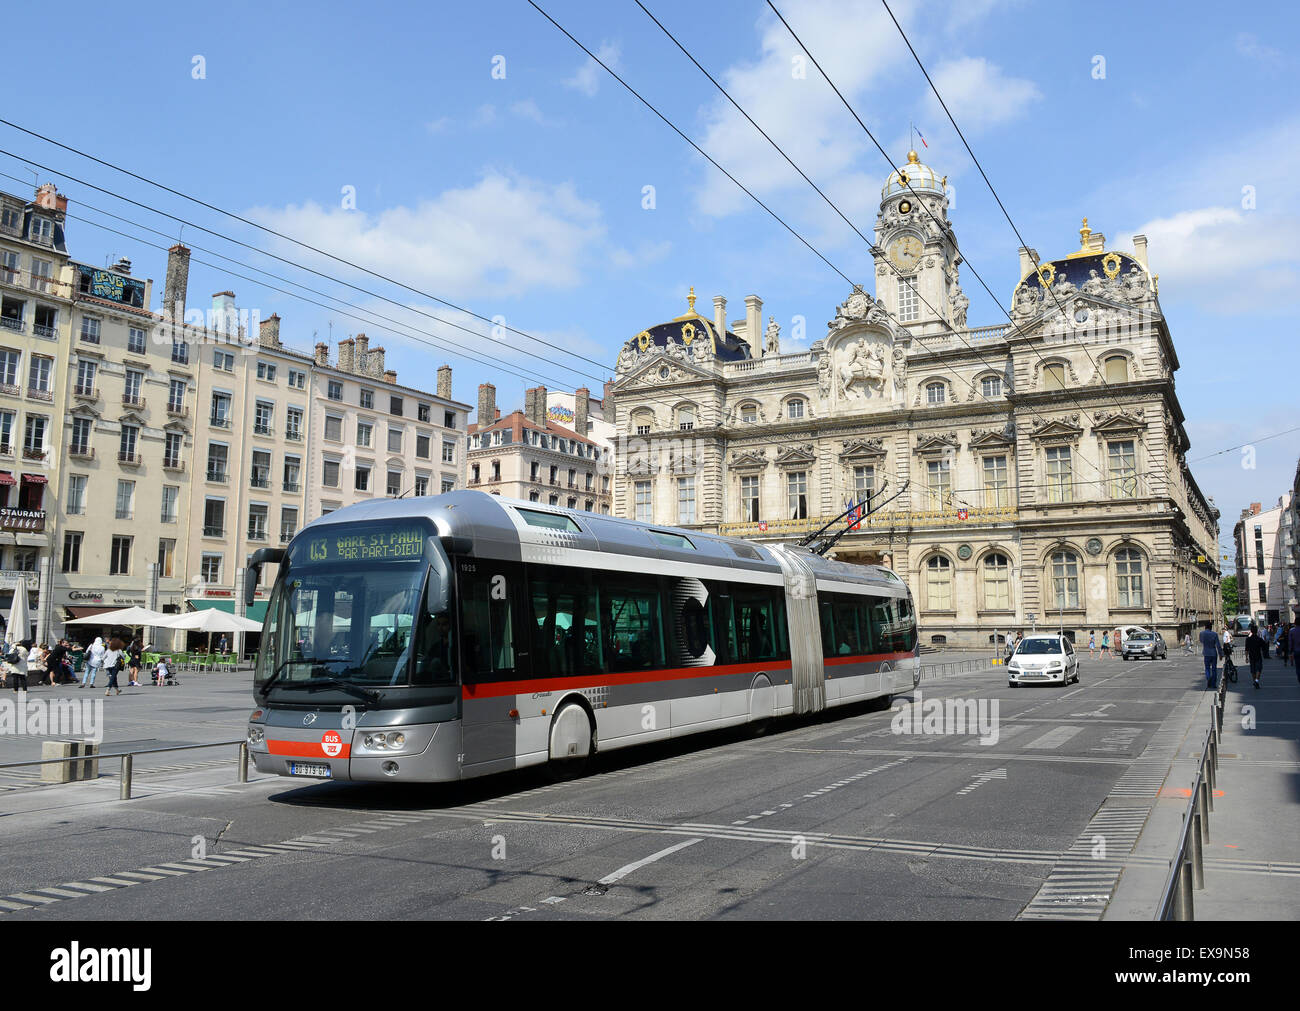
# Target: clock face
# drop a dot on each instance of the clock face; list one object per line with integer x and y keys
{"x": 905, "y": 252}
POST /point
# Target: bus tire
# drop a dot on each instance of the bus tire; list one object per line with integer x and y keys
{"x": 762, "y": 704}
{"x": 572, "y": 741}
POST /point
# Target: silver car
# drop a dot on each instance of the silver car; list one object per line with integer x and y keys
{"x": 1145, "y": 646}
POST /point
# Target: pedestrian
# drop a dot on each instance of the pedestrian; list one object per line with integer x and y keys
{"x": 1293, "y": 647}
{"x": 1105, "y": 645}
{"x": 1187, "y": 642}
{"x": 223, "y": 644}
{"x": 15, "y": 664}
{"x": 1281, "y": 643}
{"x": 57, "y": 662}
{"x": 1255, "y": 653}
{"x": 113, "y": 660}
{"x": 1092, "y": 643}
{"x": 1268, "y": 638}
{"x": 94, "y": 661}
{"x": 161, "y": 673}
{"x": 1211, "y": 650}
{"x": 134, "y": 662}
{"x": 36, "y": 660}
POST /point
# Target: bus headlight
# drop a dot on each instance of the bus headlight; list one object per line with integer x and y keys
{"x": 396, "y": 739}
{"x": 256, "y": 735}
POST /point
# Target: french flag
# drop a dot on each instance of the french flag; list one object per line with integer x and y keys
{"x": 922, "y": 136}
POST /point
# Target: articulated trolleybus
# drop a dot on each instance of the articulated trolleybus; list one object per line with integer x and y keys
{"x": 439, "y": 638}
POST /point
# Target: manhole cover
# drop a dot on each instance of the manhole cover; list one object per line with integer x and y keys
{"x": 596, "y": 889}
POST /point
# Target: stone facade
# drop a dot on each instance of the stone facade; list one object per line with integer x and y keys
{"x": 1039, "y": 467}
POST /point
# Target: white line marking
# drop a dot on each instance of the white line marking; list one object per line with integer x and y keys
{"x": 623, "y": 872}
{"x": 1053, "y": 738}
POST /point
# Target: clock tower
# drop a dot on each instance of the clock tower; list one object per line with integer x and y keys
{"x": 917, "y": 263}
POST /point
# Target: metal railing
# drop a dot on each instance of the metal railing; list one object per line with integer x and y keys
{"x": 128, "y": 761}
{"x": 1187, "y": 869}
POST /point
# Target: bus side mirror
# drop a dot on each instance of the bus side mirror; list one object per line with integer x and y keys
{"x": 253, "y": 570}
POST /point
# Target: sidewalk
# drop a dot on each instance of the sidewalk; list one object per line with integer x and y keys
{"x": 1255, "y": 823}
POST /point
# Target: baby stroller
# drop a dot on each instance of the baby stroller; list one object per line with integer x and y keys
{"x": 163, "y": 676}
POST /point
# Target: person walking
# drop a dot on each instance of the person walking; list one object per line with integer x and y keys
{"x": 1092, "y": 644}
{"x": 113, "y": 660}
{"x": 57, "y": 661}
{"x": 94, "y": 661}
{"x": 1255, "y": 647}
{"x": 223, "y": 644}
{"x": 15, "y": 664}
{"x": 134, "y": 662}
{"x": 1293, "y": 647}
{"x": 1105, "y": 645}
{"x": 1211, "y": 650}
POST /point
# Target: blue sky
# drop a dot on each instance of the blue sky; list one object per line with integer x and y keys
{"x": 522, "y": 196}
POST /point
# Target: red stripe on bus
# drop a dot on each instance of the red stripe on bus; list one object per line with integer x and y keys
{"x": 304, "y": 749}
{"x": 498, "y": 688}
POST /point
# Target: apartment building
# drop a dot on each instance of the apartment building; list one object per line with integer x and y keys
{"x": 1265, "y": 544}
{"x": 527, "y": 455}
{"x": 35, "y": 315}
{"x": 372, "y": 437}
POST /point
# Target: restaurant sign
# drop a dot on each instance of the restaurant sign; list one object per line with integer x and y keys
{"x": 22, "y": 519}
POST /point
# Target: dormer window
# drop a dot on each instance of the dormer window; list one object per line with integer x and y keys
{"x": 794, "y": 409}
{"x": 42, "y": 230}
{"x": 686, "y": 419}
{"x": 1116, "y": 367}
{"x": 749, "y": 414}
{"x": 991, "y": 386}
{"x": 1054, "y": 377}
{"x": 936, "y": 393}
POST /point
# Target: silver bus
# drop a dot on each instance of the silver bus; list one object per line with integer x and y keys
{"x": 444, "y": 637}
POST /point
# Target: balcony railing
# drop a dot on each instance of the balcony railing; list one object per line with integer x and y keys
{"x": 10, "y": 389}
{"x": 170, "y": 463}
{"x": 123, "y": 514}
{"x": 87, "y": 392}
{"x": 128, "y": 457}
{"x": 12, "y": 323}
{"x": 211, "y": 531}
{"x": 293, "y": 436}
{"x": 217, "y": 421}
{"x": 45, "y": 396}
{"x": 292, "y": 486}
{"x": 32, "y": 453}
{"x": 263, "y": 430}
{"x": 178, "y": 410}
{"x": 81, "y": 452}
{"x": 49, "y": 333}
{"x": 257, "y": 534}
{"x": 217, "y": 474}
{"x": 259, "y": 481}
{"x": 287, "y": 535}
{"x": 6, "y": 449}
{"x": 129, "y": 400}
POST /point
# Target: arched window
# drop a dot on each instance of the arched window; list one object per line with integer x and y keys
{"x": 1128, "y": 578}
{"x": 935, "y": 393}
{"x": 641, "y": 422}
{"x": 997, "y": 583}
{"x": 749, "y": 413}
{"x": 686, "y": 418}
{"x": 794, "y": 408}
{"x": 1116, "y": 369}
{"x": 1054, "y": 377}
{"x": 991, "y": 386}
{"x": 938, "y": 583}
{"x": 1065, "y": 579}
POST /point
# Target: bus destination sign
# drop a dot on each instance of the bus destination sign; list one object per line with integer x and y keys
{"x": 394, "y": 544}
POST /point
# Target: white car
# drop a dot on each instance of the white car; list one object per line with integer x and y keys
{"x": 1042, "y": 659}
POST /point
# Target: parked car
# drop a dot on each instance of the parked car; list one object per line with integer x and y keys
{"x": 1043, "y": 658}
{"x": 1145, "y": 646}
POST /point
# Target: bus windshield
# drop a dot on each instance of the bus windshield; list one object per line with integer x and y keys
{"x": 358, "y": 607}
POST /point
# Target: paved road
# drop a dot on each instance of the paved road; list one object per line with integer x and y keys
{"x": 833, "y": 818}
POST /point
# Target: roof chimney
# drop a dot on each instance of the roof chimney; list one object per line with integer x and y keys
{"x": 362, "y": 351}
{"x": 268, "y": 332}
{"x": 177, "y": 283}
{"x": 322, "y": 353}
{"x": 224, "y": 315}
{"x": 537, "y": 413}
{"x": 390, "y": 376}
{"x": 581, "y": 407}
{"x": 123, "y": 266}
{"x": 754, "y": 325}
{"x": 444, "y": 382}
{"x": 1027, "y": 258}
{"x": 487, "y": 405}
{"x": 720, "y": 316}
{"x": 1140, "y": 250}
{"x": 346, "y": 352}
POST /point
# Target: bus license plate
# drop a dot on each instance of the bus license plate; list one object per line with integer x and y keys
{"x": 307, "y": 769}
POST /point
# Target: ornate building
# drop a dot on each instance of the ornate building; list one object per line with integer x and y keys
{"x": 1039, "y": 466}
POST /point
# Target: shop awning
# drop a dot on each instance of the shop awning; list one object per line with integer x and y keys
{"x": 7, "y": 478}
{"x": 80, "y": 611}
{"x": 256, "y": 611}
{"x": 36, "y": 479}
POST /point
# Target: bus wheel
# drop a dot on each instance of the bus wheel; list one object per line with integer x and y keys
{"x": 573, "y": 739}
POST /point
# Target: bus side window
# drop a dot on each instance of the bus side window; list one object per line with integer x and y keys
{"x": 565, "y": 626}
{"x": 849, "y": 641}
{"x": 824, "y": 608}
{"x": 486, "y": 628}
{"x": 724, "y": 622}
{"x": 632, "y": 623}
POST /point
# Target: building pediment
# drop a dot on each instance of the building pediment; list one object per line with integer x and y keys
{"x": 936, "y": 442}
{"x": 1105, "y": 422}
{"x": 1066, "y": 427}
{"x": 132, "y": 417}
{"x": 85, "y": 410}
{"x": 749, "y": 460}
{"x": 992, "y": 438}
{"x": 862, "y": 450}
{"x": 657, "y": 368}
{"x": 796, "y": 456}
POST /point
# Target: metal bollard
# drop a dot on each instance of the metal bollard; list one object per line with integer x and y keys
{"x": 1210, "y": 774}
{"x": 125, "y": 793}
{"x": 1194, "y": 857}
{"x": 1185, "y": 891}
{"x": 1203, "y": 805}
{"x": 243, "y": 761}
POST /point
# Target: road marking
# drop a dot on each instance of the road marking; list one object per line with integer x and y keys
{"x": 1053, "y": 739}
{"x": 981, "y": 779}
{"x": 623, "y": 872}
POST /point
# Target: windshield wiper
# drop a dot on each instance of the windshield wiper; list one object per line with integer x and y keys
{"x": 322, "y": 661}
{"x": 320, "y": 682}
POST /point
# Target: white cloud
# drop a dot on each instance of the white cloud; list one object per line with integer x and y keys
{"x": 503, "y": 236}
{"x": 979, "y": 95}
{"x": 438, "y": 125}
{"x": 588, "y": 76}
{"x": 1251, "y": 48}
{"x": 1223, "y": 258}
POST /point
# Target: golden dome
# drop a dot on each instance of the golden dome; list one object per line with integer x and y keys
{"x": 914, "y": 174}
